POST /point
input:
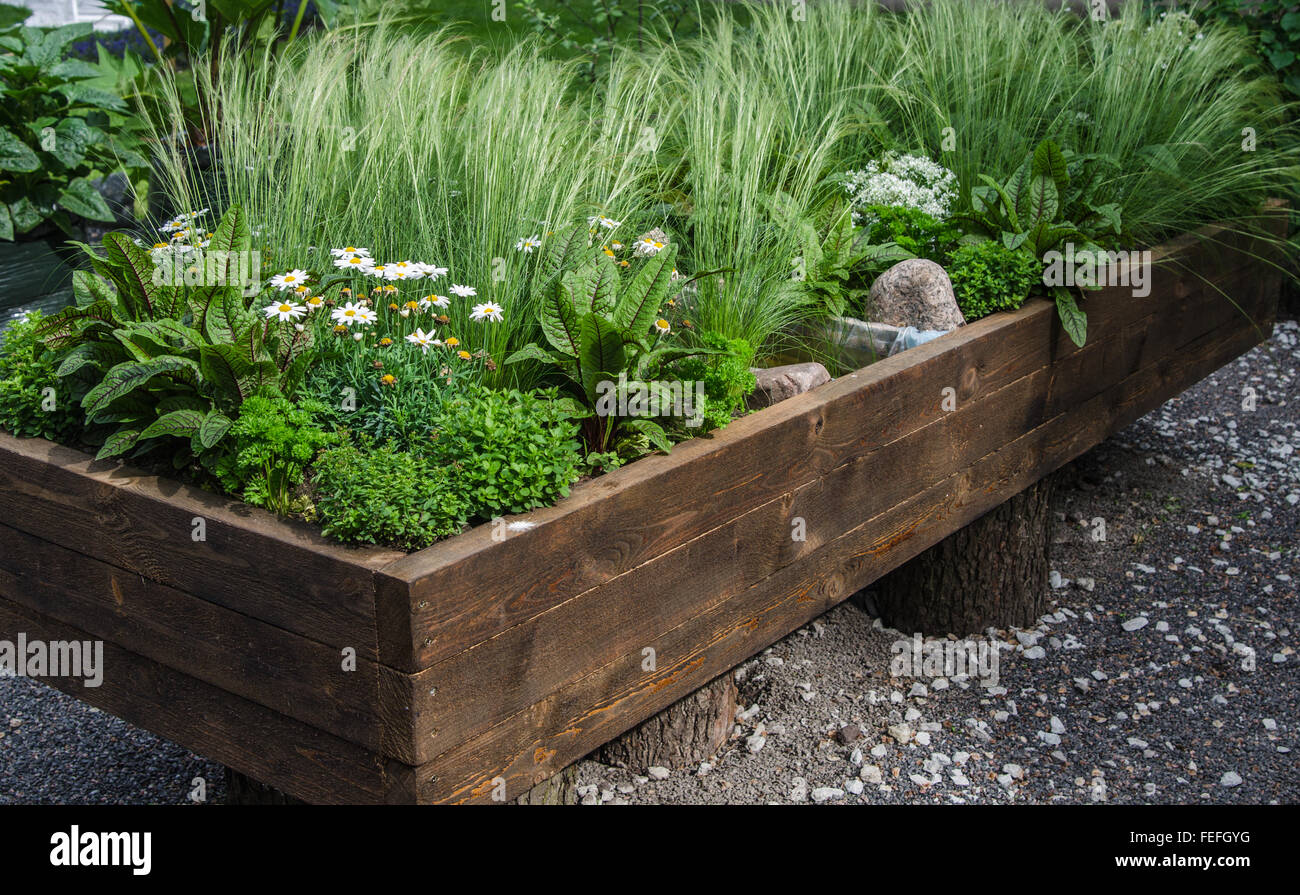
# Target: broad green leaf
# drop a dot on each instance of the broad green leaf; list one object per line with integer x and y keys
{"x": 127, "y": 377}
{"x": 563, "y": 251}
{"x": 602, "y": 353}
{"x": 87, "y": 288}
{"x": 643, "y": 297}
{"x": 1074, "y": 320}
{"x": 25, "y": 214}
{"x": 529, "y": 352}
{"x": 1038, "y": 202}
{"x": 559, "y": 318}
{"x": 594, "y": 286}
{"x": 214, "y": 427}
{"x": 81, "y": 198}
{"x": 97, "y": 354}
{"x": 651, "y": 430}
{"x": 15, "y": 155}
{"x": 120, "y": 441}
{"x": 142, "y": 296}
{"x": 176, "y": 424}
{"x": 1049, "y": 161}
{"x": 6, "y": 223}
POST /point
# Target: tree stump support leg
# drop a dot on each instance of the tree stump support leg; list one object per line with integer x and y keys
{"x": 992, "y": 573}
{"x": 686, "y": 733}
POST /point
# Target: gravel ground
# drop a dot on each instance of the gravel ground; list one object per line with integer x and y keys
{"x": 1164, "y": 672}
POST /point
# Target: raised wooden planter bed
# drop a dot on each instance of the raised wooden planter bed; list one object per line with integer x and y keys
{"x": 484, "y": 666}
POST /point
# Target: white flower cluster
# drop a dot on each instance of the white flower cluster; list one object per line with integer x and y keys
{"x": 909, "y": 181}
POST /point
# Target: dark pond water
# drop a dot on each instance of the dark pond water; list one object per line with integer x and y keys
{"x": 32, "y": 277}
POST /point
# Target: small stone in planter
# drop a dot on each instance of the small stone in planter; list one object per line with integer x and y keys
{"x": 778, "y": 383}
{"x": 915, "y": 292}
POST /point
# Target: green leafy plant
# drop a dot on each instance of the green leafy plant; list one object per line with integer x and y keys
{"x": 916, "y": 233}
{"x": 726, "y": 377}
{"x": 988, "y": 277}
{"x": 33, "y": 402}
{"x": 834, "y": 255}
{"x": 508, "y": 451}
{"x": 1274, "y": 24}
{"x": 384, "y": 392}
{"x": 1027, "y": 213}
{"x": 270, "y": 447}
{"x": 598, "y": 324}
{"x": 57, "y": 132}
{"x": 382, "y": 495}
{"x": 171, "y": 362}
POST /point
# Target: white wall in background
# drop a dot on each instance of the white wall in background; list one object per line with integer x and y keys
{"x": 65, "y": 12}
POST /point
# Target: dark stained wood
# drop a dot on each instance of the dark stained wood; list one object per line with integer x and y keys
{"x": 282, "y": 572}
{"x": 264, "y": 744}
{"x": 298, "y": 677}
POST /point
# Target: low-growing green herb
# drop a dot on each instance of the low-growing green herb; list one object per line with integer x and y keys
{"x": 988, "y": 277}
{"x": 381, "y": 495}
{"x": 33, "y": 401}
{"x": 508, "y": 451}
{"x": 271, "y": 445}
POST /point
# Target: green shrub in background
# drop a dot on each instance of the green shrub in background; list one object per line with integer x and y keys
{"x": 271, "y": 445}
{"x": 911, "y": 230}
{"x": 57, "y": 132}
{"x": 1274, "y": 24}
{"x": 381, "y": 495}
{"x": 987, "y": 277}
{"x": 507, "y": 451}
{"x": 28, "y": 369}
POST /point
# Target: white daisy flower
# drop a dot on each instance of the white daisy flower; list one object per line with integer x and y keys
{"x": 378, "y": 270}
{"x": 528, "y": 245}
{"x": 487, "y": 311}
{"x": 289, "y": 280}
{"x": 349, "y": 252}
{"x": 432, "y": 271}
{"x": 349, "y": 314}
{"x": 464, "y": 291}
{"x": 662, "y": 326}
{"x": 421, "y": 338}
{"x": 434, "y": 301}
{"x": 648, "y": 246}
{"x": 285, "y": 310}
{"x": 362, "y": 263}
{"x": 601, "y": 220}
{"x": 366, "y": 315}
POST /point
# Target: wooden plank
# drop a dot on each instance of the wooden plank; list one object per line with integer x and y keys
{"x": 250, "y": 738}
{"x": 472, "y": 690}
{"x": 461, "y": 592}
{"x": 283, "y": 671}
{"x": 572, "y": 721}
{"x": 282, "y": 572}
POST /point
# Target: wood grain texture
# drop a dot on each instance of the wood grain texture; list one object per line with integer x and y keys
{"x": 286, "y": 672}
{"x": 279, "y": 571}
{"x": 254, "y": 740}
